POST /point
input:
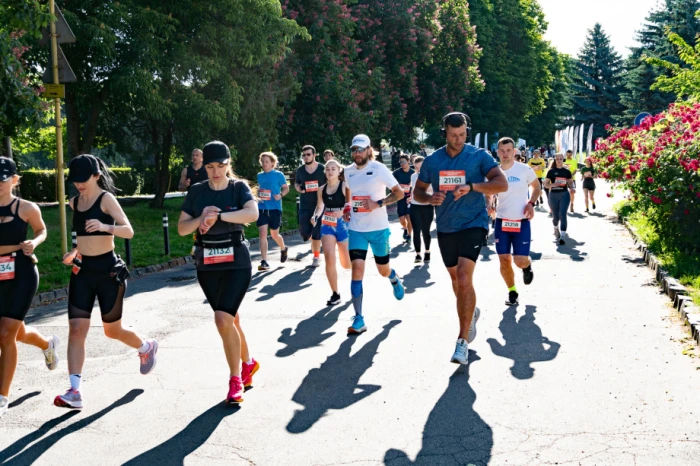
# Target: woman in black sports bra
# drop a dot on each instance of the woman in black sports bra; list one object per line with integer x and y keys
{"x": 97, "y": 271}
{"x": 19, "y": 279}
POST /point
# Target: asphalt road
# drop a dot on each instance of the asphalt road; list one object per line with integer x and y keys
{"x": 588, "y": 369}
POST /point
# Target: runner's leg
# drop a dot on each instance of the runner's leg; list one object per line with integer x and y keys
{"x": 245, "y": 353}
{"x": 463, "y": 286}
{"x": 585, "y": 197}
{"x": 262, "y": 235}
{"x": 278, "y": 238}
{"x": 231, "y": 339}
{"x": 30, "y": 336}
{"x": 329, "y": 242}
{"x": 507, "y": 269}
{"x": 8, "y": 353}
{"x": 344, "y": 255}
{"x": 416, "y": 222}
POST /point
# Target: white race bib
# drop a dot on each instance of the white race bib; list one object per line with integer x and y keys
{"x": 512, "y": 226}
{"x": 311, "y": 186}
{"x": 406, "y": 188}
{"x": 451, "y": 179}
{"x": 357, "y": 204}
{"x": 330, "y": 220}
{"x": 7, "y": 268}
{"x": 265, "y": 194}
{"x": 218, "y": 255}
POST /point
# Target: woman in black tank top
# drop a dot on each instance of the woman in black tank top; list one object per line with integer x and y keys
{"x": 97, "y": 272}
{"x": 19, "y": 279}
{"x": 332, "y": 202}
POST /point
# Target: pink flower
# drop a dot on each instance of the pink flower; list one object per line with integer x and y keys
{"x": 650, "y": 180}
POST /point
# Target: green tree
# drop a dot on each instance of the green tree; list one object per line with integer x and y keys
{"x": 684, "y": 81}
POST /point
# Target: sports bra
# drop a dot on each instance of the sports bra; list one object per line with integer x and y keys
{"x": 335, "y": 200}
{"x": 15, "y": 231}
{"x": 93, "y": 213}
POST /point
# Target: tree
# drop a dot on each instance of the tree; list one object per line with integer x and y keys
{"x": 596, "y": 82}
{"x": 684, "y": 81}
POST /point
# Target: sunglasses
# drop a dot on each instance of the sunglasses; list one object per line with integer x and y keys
{"x": 357, "y": 149}
{"x": 307, "y": 155}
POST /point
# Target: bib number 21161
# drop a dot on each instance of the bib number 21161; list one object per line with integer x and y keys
{"x": 451, "y": 179}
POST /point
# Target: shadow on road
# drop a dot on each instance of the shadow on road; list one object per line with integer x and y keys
{"x": 571, "y": 249}
{"x": 398, "y": 249}
{"x": 31, "y": 454}
{"x": 23, "y": 398}
{"x": 486, "y": 253}
{"x": 260, "y": 276}
{"x": 310, "y": 332}
{"x": 454, "y": 433}
{"x": 524, "y": 343}
{"x": 288, "y": 284}
{"x": 417, "y": 278}
{"x": 174, "y": 450}
{"x": 334, "y": 385}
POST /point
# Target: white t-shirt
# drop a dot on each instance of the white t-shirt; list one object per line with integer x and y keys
{"x": 511, "y": 204}
{"x": 369, "y": 183}
{"x": 429, "y": 191}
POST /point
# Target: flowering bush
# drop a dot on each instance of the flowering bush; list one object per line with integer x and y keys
{"x": 657, "y": 162}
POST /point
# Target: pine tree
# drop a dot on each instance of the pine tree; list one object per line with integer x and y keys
{"x": 676, "y": 16}
{"x": 597, "y": 82}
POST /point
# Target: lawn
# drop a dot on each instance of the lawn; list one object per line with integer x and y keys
{"x": 147, "y": 245}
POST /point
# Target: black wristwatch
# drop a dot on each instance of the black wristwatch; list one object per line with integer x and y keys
{"x": 380, "y": 203}
{"x": 218, "y": 217}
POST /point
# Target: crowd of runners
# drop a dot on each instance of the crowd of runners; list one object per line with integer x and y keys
{"x": 342, "y": 211}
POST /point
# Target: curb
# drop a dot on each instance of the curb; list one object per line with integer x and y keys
{"x": 677, "y": 293}
{"x": 48, "y": 297}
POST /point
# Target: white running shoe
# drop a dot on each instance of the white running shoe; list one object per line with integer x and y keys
{"x": 472, "y": 327}
{"x": 557, "y": 234}
{"x": 51, "y": 354}
{"x": 316, "y": 262}
{"x": 461, "y": 352}
{"x": 71, "y": 399}
{"x": 4, "y": 405}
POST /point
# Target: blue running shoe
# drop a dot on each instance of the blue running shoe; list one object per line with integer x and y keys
{"x": 398, "y": 289}
{"x": 358, "y": 325}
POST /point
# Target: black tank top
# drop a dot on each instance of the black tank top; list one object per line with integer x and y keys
{"x": 93, "y": 213}
{"x": 335, "y": 200}
{"x": 15, "y": 231}
{"x": 195, "y": 176}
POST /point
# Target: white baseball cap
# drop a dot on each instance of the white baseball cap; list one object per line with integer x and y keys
{"x": 360, "y": 141}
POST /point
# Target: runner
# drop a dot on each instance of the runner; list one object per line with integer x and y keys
{"x": 334, "y": 196}
{"x": 19, "y": 279}
{"x": 462, "y": 221}
{"x": 572, "y": 165}
{"x": 272, "y": 187}
{"x": 557, "y": 181}
{"x": 588, "y": 174}
{"x": 194, "y": 173}
{"x": 97, "y": 271}
{"x": 368, "y": 180}
{"x": 538, "y": 164}
{"x": 328, "y": 155}
{"x": 403, "y": 176}
{"x": 513, "y": 217}
{"x": 308, "y": 179}
{"x": 422, "y": 215}
{"x": 218, "y": 211}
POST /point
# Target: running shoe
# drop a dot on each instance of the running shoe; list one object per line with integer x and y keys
{"x": 398, "y": 289}
{"x": 264, "y": 265}
{"x": 594, "y": 206}
{"x": 148, "y": 359}
{"x": 405, "y": 234}
{"x": 316, "y": 262}
{"x": 358, "y": 325}
{"x": 418, "y": 259}
{"x": 472, "y": 328}
{"x": 71, "y": 399}
{"x": 50, "y": 355}
{"x": 461, "y": 353}
{"x": 528, "y": 276}
{"x": 557, "y": 233}
{"x": 248, "y": 372}
{"x": 426, "y": 257}
{"x": 283, "y": 255}
{"x": 562, "y": 238}
{"x": 4, "y": 405}
{"x": 587, "y": 211}
{"x": 235, "y": 390}
{"x": 335, "y": 299}
{"x": 512, "y": 298}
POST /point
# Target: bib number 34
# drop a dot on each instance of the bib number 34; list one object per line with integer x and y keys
{"x": 7, "y": 268}
{"x": 218, "y": 255}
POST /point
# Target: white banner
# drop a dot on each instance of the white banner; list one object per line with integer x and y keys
{"x": 580, "y": 142}
{"x": 590, "y": 141}
{"x": 477, "y": 141}
{"x": 486, "y": 141}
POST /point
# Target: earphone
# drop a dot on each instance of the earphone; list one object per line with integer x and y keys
{"x": 443, "y": 131}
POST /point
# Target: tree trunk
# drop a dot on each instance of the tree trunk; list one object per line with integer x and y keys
{"x": 72, "y": 124}
{"x": 90, "y": 129}
{"x": 163, "y": 173}
{"x": 8, "y": 147}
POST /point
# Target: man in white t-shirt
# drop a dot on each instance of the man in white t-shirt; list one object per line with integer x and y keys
{"x": 368, "y": 226}
{"x": 513, "y": 215}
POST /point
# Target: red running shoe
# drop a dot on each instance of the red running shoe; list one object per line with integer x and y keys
{"x": 235, "y": 390}
{"x": 248, "y": 371}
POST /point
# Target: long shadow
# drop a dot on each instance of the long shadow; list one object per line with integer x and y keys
{"x": 417, "y": 278}
{"x": 300, "y": 256}
{"x": 23, "y": 398}
{"x": 174, "y": 450}
{"x": 398, "y": 249}
{"x": 287, "y": 284}
{"x": 310, "y": 332}
{"x": 524, "y": 343}
{"x": 31, "y": 454}
{"x": 571, "y": 249}
{"x": 486, "y": 253}
{"x": 576, "y": 215}
{"x": 454, "y": 433}
{"x": 334, "y": 384}
{"x": 260, "y": 276}
{"x": 20, "y": 444}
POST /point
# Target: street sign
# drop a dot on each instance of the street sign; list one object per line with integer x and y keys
{"x": 640, "y": 118}
{"x": 54, "y": 91}
{"x": 64, "y": 35}
{"x": 65, "y": 73}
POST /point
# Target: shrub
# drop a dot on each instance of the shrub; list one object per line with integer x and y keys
{"x": 40, "y": 185}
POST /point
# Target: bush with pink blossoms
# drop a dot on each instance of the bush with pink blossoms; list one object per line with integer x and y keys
{"x": 658, "y": 163}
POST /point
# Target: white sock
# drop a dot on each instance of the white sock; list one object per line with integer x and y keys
{"x": 249, "y": 362}
{"x": 144, "y": 347}
{"x": 75, "y": 380}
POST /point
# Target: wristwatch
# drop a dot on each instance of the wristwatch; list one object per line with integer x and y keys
{"x": 380, "y": 203}
{"x": 218, "y": 217}
{"x": 531, "y": 203}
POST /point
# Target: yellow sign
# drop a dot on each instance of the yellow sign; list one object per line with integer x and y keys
{"x": 54, "y": 91}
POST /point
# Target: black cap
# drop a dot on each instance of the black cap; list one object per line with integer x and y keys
{"x": 81, "y": 168}
{"x": 8, "y": 169}
{"x": 215, "y": 151}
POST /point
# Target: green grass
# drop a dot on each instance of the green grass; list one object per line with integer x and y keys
{"x": 683, "y": 266}
{"x": 147, "y": 245}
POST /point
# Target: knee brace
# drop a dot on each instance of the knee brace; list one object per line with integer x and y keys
{"x": 360, "y": 254}
{"x": 381, "y": 260}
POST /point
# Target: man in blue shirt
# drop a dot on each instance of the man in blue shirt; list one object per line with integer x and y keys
{"x": 272, "y": 186}
{"x": 456, "y": 173}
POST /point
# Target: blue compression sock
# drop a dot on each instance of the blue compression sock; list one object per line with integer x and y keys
{"x": 356, "y": 291}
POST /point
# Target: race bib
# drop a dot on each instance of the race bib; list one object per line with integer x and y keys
{"x": 330, "y": 220}
{"x": 7, "y": 268}
{"x": 311, "y": 186}
{"x": 511, "y": 226}
{"x": 357, "y": 204}
{"x": 265, "y": 194}
{"x": 76, "y": 268}
{"x": 560, "y": 182}
{"x": 218, "y": 255}
{"x": 450, "y": 179}
{"x": 406, "y": 188}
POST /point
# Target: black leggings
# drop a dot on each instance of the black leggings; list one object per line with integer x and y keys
{"x": 225, "y": 289}
{"x": 16, "y": 295}
{"x": 94, "y": 281}
{"x": 421, "y": 219}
